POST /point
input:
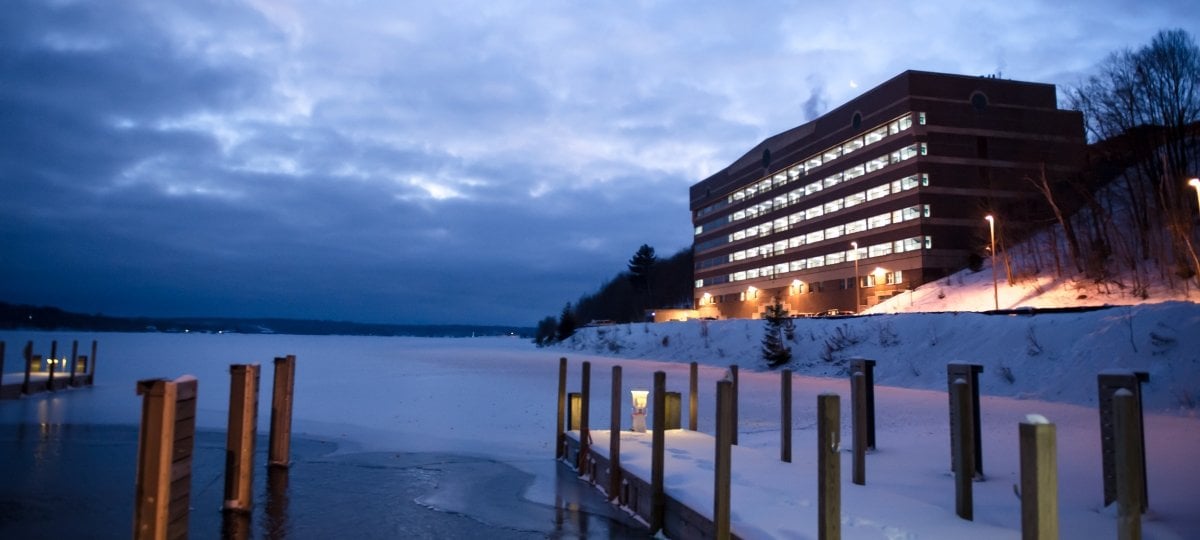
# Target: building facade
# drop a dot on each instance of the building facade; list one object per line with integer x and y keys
{"x": 880, "y": 195}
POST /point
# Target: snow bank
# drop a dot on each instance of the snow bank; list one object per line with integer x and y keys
{"x": 1052, "y": 357}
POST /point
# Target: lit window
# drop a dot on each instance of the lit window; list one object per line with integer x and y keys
{"x": 814, "y": 212}
{"x": 815, "y": 236}
{"x": 878, "y": 192}
{"x": 921, "y": 118}
{"x": 833, "y": 206}
{"x": 795, "y": 241}
{"x": 881, "y": 220}
{"x": 854, "y": 172}
{"x": 699, "y": 283}
{"x": 876, "y": 135}
{"x": 815, "y": 262}
{"x": 835, "y": 231}
{"x": 812, "y": 188}
{"x": 796, "y": 266}
{"x": 856, "y": 199}
{"x": 699, "y": 230}
{"x": 856, "y": 226}
{"x": 835, "y": 258}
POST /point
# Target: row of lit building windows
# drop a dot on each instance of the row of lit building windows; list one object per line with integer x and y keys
{"x": 797, "y": 287}
{"x": 849, "y": 201}
{"x": 874, "y": 222}
{"x": 817, "y": 160}
{"x": 836, "y": 257}
{"x": 794, "y": 196}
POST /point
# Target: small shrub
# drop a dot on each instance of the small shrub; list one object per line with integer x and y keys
{"x": 666, "y": 341}
{"x": 1032, "y": 347}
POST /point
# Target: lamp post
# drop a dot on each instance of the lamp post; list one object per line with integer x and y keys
{"x": 854, "y": 247}
{"x": 1195, "y": 183}
{"x": 639, "y": 409}
{"x": 992, "y": 230}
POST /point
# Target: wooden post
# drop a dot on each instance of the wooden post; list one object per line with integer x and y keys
{"x": 858, "y": 412}
{"x": 573, "y": 411}
{"x": 693, "y": 397}
{"x": 658, "y": 500}
{"x": 585, "y": 434}
{"x": 733, "y": 371}
{"x": 829, "y": 469}
{"x": 867, "y": 367}
{"x": 92, "y": 371}
{"x": 1130, "y": 484}
{"x": 785, "y": 416}
{"x": 239, "y": 443}
{"x": 560, "y": 436}
{"x": 969, "y": 374}
{"x": 1039, "y": 480}
{"x": 74, "y": 360}
{"x": 1109, "y": 382}
{"x": 282, "y": 391}
{"x": 673, "y": 405}
{"x": 28, "y": 366}
{"x": 723, "y": 460}
{"x": 964, "y": 451}
{"x": 50, "y": 364}
{"x": 164, "y": 459}
{"x": 614, "y": 437}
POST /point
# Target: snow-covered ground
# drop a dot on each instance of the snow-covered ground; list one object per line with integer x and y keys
{"x": 495, "y": 397}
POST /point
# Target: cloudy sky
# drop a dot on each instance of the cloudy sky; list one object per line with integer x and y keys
{"x": 426, "y": 162}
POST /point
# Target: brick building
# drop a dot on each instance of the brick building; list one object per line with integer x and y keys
{"x": 880, "y": 195}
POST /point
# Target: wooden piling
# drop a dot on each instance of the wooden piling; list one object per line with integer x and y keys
{"x": 658, "y": 500}
{"x": 164, "y": 459}
{"x": 614, "y": 437}
{"x": 52, "y": 363}
{"x": 785, "y": 416}
{"x": 92, "y": 370}
{"x": 858, "y": 412}
{"x": 74, "y": 360}
{"x": 693, "y": 395}
{"x": 964, "y": 451}
{"x": 829, "y": 470}
{"x": 28, "y": 355}
{"x": 239, "y": 442}
{"x": 969, "y": 374}
{"x": 723, "y": 458}
{"x": 282, "y": 394}
{"x": 867, "y": 367}
{"x": 585, "y": 434}
{"x": 574, "y": 409}
{"x": 1130, "y": 484}
{"x": 733, "y": 371}
{"x": 559, "y": 433}
{"x": 1039, "y": 480}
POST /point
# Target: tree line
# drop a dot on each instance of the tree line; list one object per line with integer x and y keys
{"x": 1130, "y": 217}
{"x": 646, "y": 283}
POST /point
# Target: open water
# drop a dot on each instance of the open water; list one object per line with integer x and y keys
{"x": 77, "y": 481}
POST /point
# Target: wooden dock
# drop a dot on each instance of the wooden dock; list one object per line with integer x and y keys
{"x": 46, "y": 374}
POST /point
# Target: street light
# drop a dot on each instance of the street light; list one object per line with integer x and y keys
{"x": 992, "y": 229}
{"x": 639, "y": 409}
{"x": 1195, "y": 183}
{"x": 854, "y": 245}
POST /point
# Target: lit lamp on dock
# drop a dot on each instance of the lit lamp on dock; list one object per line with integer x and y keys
{"x": 639, "y": 409}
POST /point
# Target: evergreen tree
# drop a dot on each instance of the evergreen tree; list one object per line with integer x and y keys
{"x": 774, "y": 350}
{"x": 566, "y": 323}
{"x": 640, "y": 267}
{"x": 546, "y": 330}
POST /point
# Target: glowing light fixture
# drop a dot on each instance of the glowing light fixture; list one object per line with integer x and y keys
{"x": 992, "y": 231}
{"x": 639, "y": 409}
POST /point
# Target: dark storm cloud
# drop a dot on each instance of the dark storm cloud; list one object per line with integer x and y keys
{"x": 430, "y": 162}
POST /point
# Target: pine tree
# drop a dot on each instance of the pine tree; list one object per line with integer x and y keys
{"x": 640, "y": 268}
{"x": 546, "y": 330}
{"x": 774, "y": 350}
{"x": 566, "y": 323}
